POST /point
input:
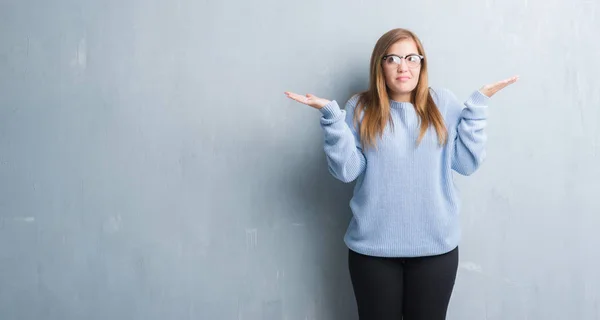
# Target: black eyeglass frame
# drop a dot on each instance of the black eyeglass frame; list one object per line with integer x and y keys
{"x": 403, "y": 57}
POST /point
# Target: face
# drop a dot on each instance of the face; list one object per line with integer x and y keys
{"x": 401, "y": 79}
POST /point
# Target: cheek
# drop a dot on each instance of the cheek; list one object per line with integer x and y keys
{"x": 388, "y": 75}
{"x": 389, "y": 78}
{"x": 416, "y": 75}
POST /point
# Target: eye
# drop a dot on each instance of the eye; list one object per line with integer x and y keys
{"x": 413, "y": 58}
{"x": 392, "y": 60}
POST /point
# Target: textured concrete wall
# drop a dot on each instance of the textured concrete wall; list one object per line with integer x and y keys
{"x": 152, "y": 168}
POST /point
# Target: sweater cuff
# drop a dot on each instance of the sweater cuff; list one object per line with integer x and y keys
{"x": 478, "y": 104}
{"x": 331, "y": 110}
{"x": 478, "y": 99}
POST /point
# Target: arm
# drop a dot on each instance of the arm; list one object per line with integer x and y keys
{"x": 469, "y": 144}
{"x": 470, "y": 141}
{"x": 345, "y": 158}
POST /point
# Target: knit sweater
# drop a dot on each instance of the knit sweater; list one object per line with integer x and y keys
{"x": 405, "y": 202}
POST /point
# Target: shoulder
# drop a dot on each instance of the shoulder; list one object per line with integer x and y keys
{"x": 353, "y": 101}
{"x": 352, "y": 104}
{"x": 442, "y": 96}
{"x": 446, "y": 101}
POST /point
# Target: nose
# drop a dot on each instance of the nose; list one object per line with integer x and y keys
{"x": 403, "y": 66}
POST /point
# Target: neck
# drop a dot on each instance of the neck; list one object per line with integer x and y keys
{"x": 401, "y": 97}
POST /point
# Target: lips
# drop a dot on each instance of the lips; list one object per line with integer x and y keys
{"x": 403, "y": 78}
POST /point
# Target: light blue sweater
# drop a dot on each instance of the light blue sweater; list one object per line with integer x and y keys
{"x": 405, "y": 202}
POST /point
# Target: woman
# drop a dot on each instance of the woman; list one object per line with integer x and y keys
{"x": 400, "y": 140}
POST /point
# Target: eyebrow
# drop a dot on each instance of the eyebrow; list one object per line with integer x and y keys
{"x": 399, "y": 55}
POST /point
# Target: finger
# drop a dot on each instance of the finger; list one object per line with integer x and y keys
{"x": 509, "y": 80}
{"x": 503, "y": 84}
{"x": 499, "y": 84}
{"x": 296, "y": 97}
{"x": 292, "y": 95}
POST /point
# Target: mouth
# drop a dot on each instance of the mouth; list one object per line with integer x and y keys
{"x": 403, "y": 78}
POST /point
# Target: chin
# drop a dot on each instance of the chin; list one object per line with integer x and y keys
{"x": 404, "y": 89}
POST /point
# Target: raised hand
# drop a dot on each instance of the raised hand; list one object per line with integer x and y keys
{"x": 491, "y": 89}
{"x": 309, "y": 100}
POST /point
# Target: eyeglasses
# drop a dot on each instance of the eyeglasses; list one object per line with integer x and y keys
{"x": 393, "y": 61}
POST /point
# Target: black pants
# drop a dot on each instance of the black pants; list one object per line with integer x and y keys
{"x": 403, "y": 288}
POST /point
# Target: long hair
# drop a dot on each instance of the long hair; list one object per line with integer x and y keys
{"x": 375, "y": 105}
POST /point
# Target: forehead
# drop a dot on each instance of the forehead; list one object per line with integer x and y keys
{"x": 403, "y": 47}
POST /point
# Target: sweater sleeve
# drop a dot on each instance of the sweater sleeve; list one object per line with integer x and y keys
{"x": 343, "y": 150}
{"x": 469, "y": 150}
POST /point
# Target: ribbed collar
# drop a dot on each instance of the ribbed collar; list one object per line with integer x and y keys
{"x": 400, "y": 105}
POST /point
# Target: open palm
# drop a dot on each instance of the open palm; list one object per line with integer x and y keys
{"x": 309, "y": 99}
{"x": 491, "y": 89}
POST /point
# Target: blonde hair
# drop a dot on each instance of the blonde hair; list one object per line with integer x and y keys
{"x": 375, "y": 101}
